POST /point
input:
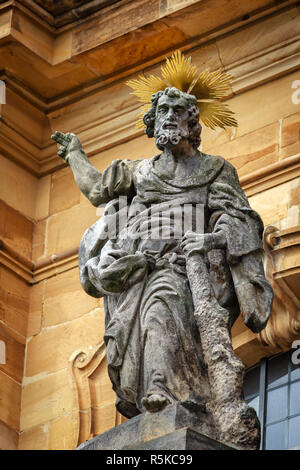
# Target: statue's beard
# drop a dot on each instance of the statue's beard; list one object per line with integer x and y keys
{"x": 169, "y": 137}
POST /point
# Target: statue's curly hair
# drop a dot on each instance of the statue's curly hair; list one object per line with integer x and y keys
{"x": 194, "y": 125}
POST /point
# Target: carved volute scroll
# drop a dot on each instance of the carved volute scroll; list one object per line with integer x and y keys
{"x": 283, "y": 271}
{"x": 88, "y": 369}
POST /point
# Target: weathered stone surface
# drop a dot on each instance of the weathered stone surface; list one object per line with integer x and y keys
{"x": 46, "y": 398}
{"x": 43, "y": 198}
{"x": 35, "y": 438}
{"x": 64, "y": 299}
{"x": 103, "y": 417}
{"x": 15, "y": 229}
{"x": 252, "y": 151}
{"x": 78, "y": 218}
{"x": 35, "y": 309}
{"x": 85, "y": 331}
{"x": 61, "y": 433}
{"x": 149, "y": 426}
{"x": 38, "y": 240}
{"x": 243, "y": 43}
{"x": 100, "y": 388}
{"x": 8, "y": 437}
{"x": 290, "y": 140}
{"x": 12, "y": 178}
{"x": 277, "y": 205}
{"x": 10, "y": 399}
{"x": 64, "y": 191}
{"x": 14, "y": 301}
{"x": 269, "y": 110}
{"x": 14, "y": 352}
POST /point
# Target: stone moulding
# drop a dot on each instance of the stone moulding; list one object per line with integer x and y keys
{"x": 55, "y": 264}
{"x": 272, "y": 175}
{"x": 79, "y": 20}
{"x": 16, "y": 262}
{"x": 43, "y": 160}
{"x": 32, "y": 272}
{"x": 84, "y": 366}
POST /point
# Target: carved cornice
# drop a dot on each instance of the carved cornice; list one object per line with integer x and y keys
{"x": 271, "y": 175}
{"x": 54, "y": 265}
{"x": 248, "y": 72}
{"x": 15, "y": 262}
{"x": 32, "y": 272}
{"x": 39, "y": 155}
{"x": 62, "y": 16}
{"x": 112, "y": 129}
{"x": 66, "y": 12}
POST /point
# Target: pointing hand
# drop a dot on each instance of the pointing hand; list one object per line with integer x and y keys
{"x": 68, "y": 143}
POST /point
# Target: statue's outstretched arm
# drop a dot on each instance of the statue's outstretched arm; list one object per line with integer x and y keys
{"x": 85, "y": 175}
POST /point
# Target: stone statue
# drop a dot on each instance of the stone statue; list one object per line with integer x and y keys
{"x": 170, "y": 302}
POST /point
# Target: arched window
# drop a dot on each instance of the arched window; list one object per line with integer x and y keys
{"x": 272, "y": 387}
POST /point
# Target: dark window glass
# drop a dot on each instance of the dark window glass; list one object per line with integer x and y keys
{"x": 272, "y": 388}
{"x": 277, "y": 401}
{"x": 295, "y": 398}
{"x": 276, "y": 436}
{"x": 295, "y": 371}
{"x": 251, "y": 384}
{"x": 278, "y": 371}
{"x": 294, "y": 432}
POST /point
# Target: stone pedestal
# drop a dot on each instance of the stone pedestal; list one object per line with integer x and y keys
{"x": 181, "y": 439}
{"x": 182, "y": 426}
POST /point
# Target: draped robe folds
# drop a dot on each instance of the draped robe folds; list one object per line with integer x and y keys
{"x": 151, "y": 340}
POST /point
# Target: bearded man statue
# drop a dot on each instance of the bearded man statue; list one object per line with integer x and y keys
{"x": 154, "y": 348}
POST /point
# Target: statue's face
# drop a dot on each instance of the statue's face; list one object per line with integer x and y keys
{"x": 171, "y": 121}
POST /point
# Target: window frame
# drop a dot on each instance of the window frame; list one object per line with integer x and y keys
{"x": 264, "y": 388}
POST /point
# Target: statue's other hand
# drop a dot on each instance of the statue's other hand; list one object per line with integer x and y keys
{"x": 193, "y": 242}
{"x": 68, "y": 143}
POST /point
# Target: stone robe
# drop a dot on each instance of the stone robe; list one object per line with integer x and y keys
{"x": 151, "y": 340}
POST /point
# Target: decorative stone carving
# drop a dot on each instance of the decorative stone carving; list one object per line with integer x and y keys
{"x": 85, "y": 367}
{"x": 283, "y": 272}
{"x": 171, "y": 300}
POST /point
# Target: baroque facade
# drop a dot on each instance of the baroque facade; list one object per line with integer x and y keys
{"x": 65, "y": 67}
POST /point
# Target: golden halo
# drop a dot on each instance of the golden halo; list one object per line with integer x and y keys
{"x": 207, "y": 87}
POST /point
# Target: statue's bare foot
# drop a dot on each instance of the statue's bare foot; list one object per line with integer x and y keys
{"x": 155, "y": 402}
